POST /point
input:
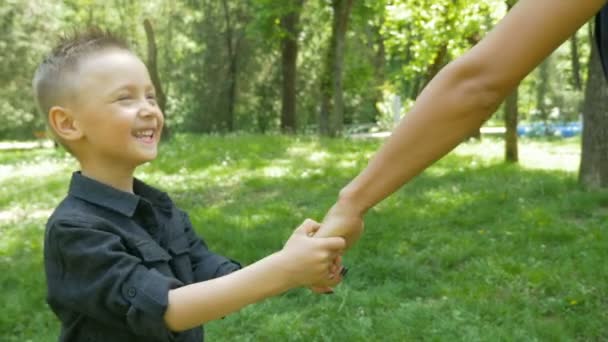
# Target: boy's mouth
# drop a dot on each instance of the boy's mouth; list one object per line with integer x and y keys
{"x": 145, "y": 135}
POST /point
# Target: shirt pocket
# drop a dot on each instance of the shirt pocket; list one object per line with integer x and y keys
{"x": 154, "y": 256}
{"x": 181, "y": 263}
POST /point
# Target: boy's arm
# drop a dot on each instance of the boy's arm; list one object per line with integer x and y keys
{"x": 457, "y": 101}
{"x": 206, "y": 265}
{"x": 302, "y": 262}
{"x": 91, "y": 272}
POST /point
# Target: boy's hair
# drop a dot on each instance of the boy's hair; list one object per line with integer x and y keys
{"x": 53, "y": 81}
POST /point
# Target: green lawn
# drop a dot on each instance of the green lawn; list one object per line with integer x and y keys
{"x": 472, "y": 250}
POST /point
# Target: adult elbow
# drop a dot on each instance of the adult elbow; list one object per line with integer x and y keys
{"x": 478, "y": 89}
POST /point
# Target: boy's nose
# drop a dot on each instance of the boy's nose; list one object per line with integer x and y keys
{"x": 148, "y": 109}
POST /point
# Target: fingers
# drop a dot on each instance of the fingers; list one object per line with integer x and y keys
{"x": 308, "y": 227}
{"x": 322, "y": 289}
{"x": 333, "y": 244}
{"x": 336, "y": 273}
{"x": 328, "y": 283}
{"x": 335, "y": 266}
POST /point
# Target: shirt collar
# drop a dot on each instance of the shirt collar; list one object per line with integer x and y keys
{"x": 120, "y": 201}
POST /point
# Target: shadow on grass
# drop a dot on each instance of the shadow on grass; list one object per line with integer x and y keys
{"x": 526, "y": 241}
{"x": 467, "y": 251}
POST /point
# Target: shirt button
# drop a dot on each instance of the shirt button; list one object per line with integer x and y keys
{"x": 131, "y": 292}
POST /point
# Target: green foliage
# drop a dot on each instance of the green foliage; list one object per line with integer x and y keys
{"x": 420, "y": 34}
{"x": 20, "y": 53}
{"x": 392, "y": 46}
{"x": 472, "y": 250}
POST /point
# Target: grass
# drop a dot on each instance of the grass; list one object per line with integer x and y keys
{"x": 472, "y": 250}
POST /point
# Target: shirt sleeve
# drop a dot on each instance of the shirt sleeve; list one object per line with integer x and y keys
{"x": 90, "y": 271}
{"x": 206, "y": 264}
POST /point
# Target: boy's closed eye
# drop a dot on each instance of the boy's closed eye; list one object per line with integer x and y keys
{"x": 129, "y": 97}
{"x": 123, "y": 97}
{"x": 151, "y": 98}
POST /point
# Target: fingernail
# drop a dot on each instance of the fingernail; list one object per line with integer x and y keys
{"x": 344, "y": 271}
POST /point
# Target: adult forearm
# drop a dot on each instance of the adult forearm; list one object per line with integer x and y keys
{"x": 195, "y": 304}
{"x": 446, "y": 112}
{"x": 464, "y": 94}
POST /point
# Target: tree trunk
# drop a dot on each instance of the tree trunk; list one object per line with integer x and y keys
{"x": 379, "y": 63}
{"x": 289, "y": 58}
{"x": 511, "y": 115}
{"x": 161, "y": 98}
{"x": 576, "y": 65}
{"x": 543, "y": 90}
{"x": 232, "y": 69}
{"x": 440, "y": 60}
{"x": 594, "y": 159}
{"x": 332, "y": 101}
{"x": 375, "y": 43}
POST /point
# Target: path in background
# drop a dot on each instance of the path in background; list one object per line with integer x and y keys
{"x": 25, "y": 145}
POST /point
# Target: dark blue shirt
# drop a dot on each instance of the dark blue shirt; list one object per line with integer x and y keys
{"x": 111, "y": 258}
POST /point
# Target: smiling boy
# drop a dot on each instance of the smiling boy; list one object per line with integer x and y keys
{"x": 122, "y": 262}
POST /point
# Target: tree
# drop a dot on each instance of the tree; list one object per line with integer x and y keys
{"x": 576, "y": 65}
{"x": 511, "y": 117}
{"x": 289, "y": 56}
{"x": 511, "y": 114}
{"x": 593, "y": 172}
{"x": 233, "y": 40}
{"x": 379, "y": 58}
{"x": 543, "y": 91}
{"x": 26, "y": 31}
{"x": 332, "y": 101}
{"x": 153, "y": 69}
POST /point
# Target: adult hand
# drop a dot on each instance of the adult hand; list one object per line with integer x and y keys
{"x": 342, "y": 220}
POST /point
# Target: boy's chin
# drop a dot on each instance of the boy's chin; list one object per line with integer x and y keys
{"x": 147, "y": 159}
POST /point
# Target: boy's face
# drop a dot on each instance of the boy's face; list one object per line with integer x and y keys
{"x": 116, "y": 110}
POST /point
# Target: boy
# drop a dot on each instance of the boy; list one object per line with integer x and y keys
{"x": 122, "y": 262}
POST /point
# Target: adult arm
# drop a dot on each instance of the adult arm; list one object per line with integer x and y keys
{"x": 457, "y": 101}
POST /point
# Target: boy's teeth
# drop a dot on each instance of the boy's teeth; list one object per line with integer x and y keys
{"x": 141, "y": 134}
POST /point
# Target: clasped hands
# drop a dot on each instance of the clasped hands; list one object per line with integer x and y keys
{"x": 342, "y": 221}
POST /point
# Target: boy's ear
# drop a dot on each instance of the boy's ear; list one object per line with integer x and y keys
{"x": 64, "y": 124}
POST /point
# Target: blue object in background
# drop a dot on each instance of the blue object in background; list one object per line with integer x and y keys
{"x": 542, "y": 129}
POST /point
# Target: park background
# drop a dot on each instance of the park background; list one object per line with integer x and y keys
{"x": 273, "y": 106}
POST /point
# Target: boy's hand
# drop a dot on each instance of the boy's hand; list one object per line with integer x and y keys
{"x": 338, "y": 272}
{"x": 308, "y": 260}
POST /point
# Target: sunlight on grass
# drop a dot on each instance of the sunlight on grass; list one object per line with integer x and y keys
{"x": 15, "y": 214}
{"x": 275, "y": 171}
{"x": 471, "y": 250}
{"x": 533, "y": 155}
{"x": 30, "y": 170}
{"x": 303, "y": 150}
{"x": 318, "y": 157}
{"x": 566, "y": 158}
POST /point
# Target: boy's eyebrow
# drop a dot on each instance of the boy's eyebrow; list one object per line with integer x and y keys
{"x": 131, "y": 87}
